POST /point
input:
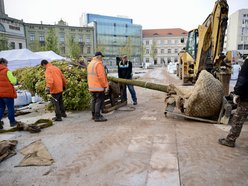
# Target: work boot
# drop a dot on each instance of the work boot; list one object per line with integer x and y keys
{"x": 64, "y": 115}
{"x": 226, "y": 142}
{"x": 1, "y": 125}
{"x": 15, "y": 123}
{"x": 100, "y": 119}
{"x": 135, "y": 103}
{"x": 93, "y": 115}
{"x": 56, "y": 119}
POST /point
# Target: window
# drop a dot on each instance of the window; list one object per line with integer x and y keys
{"x": 147, "y": 42}
{"x": 162, "y": 51}
{"x": 62, "y": 38}
{"x": 88, "y": 50}
{"x": 12, "y": 45}
{"x": 176, "y": 50}
{"x": 87, "y": 39}
{"x": 80, "y": 40}
{"x": 147, "y": 51}
{"x": 20, "y": 45}
{"x": 62, "y": 29}
{"x": 169, "y": 51}
{"x": 147, "y": 60}
{"x": 42, "y": 38}
{"x": 32, "y": 37}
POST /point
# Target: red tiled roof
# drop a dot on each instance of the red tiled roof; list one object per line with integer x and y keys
{"x": 163, "y": 32}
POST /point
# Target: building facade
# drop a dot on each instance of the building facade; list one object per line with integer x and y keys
{"x": 11, "y": 29}
{"x": 84, "y": 36}
{"x": 115, "y": 36}
{"x": 161, "y": 46}
{"x": 237, "y": 32}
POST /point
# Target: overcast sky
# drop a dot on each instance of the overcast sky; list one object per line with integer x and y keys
{"x": 185, "y": 14}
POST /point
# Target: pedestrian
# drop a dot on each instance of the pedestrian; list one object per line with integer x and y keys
{"x": 98, "y": 85}
{"x": 7, "y": 93}
{"x": 241, "y": 99}
{"x": 125, "y": 68}
{"x": 55, "y": 85}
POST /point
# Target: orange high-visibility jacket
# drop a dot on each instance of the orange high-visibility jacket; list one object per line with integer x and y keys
{"x": 97, "y": 79}
{"x": 55, "y": 80}
{"x": 7, "y": 90}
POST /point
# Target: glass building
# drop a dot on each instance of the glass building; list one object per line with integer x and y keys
{"x": 115, "y": 36}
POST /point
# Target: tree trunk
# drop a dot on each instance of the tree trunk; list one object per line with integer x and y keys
{"x": 143, "y": 84}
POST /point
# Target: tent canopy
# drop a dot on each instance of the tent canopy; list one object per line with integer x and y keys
{"x": 50, "y": 55}
{"x": 19, "y": 58}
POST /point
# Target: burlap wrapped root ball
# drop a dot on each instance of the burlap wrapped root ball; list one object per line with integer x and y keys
{"x": 206, "y": 97}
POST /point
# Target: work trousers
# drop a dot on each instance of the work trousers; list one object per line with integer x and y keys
{"x": 131, "y": 90}
{"x": 237, "y": 121}
{"x": 9, "y": 102}
{"x": 57, "y": 100}
{"x": 97, "y": 102}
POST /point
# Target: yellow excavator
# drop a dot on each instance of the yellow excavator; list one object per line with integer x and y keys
{"x": 204, "y": 49}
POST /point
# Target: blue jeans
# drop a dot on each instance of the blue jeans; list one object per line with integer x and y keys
{"x": 9, "y": 102}
{"x": 131, "y": 90}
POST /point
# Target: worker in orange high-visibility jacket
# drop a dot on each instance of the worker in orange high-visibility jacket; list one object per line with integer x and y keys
{"x": 55, "y": 85}
{"x": 98, "y": 85}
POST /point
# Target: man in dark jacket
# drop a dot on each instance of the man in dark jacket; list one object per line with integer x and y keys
{"x": 241, "y": 99}
{"x": 125, "y": 72}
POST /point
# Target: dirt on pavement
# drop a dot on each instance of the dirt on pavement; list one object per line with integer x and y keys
{"x": 137, "y": 146}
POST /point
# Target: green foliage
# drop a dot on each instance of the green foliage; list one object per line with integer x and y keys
{"x": 76, "y": 96}
{"x": 127, "y": 49}
{"x": 153, "y": 50}
{"x": 100, "y": 47}
{"x": 74, "y": 48}
{"x": 52, "y": 41}
{"x": 3, "y": 42}
{"x": 35, "y": 46}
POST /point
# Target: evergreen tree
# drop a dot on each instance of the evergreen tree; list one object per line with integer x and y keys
{"x": 52, "y": 41}
{"x": 3, "y": 42}
{"x": 74, "y": 47}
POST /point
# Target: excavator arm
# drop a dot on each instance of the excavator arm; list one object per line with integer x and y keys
{"x": 204, "y": 49}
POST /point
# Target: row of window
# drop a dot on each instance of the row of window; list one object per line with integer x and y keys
{"x": 163, "y": 51}
{"x": 164, "y": 60}
{"x": 61, "y": 38}
{"x": 162, "y": 42}
{"x": 61, "y": 29}
{"x": 13, "y": 46}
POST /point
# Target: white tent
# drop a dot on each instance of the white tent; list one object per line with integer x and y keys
{"x": 19, "y": 58}
{"x": 50, "y": 55}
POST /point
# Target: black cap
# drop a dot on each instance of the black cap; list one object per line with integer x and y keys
{"x": 99, "y": 54}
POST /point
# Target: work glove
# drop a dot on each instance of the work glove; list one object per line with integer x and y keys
{"x": 106, "y": 90}
{"x": 47, "y": 90}
{"x": 236, "y": 99}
